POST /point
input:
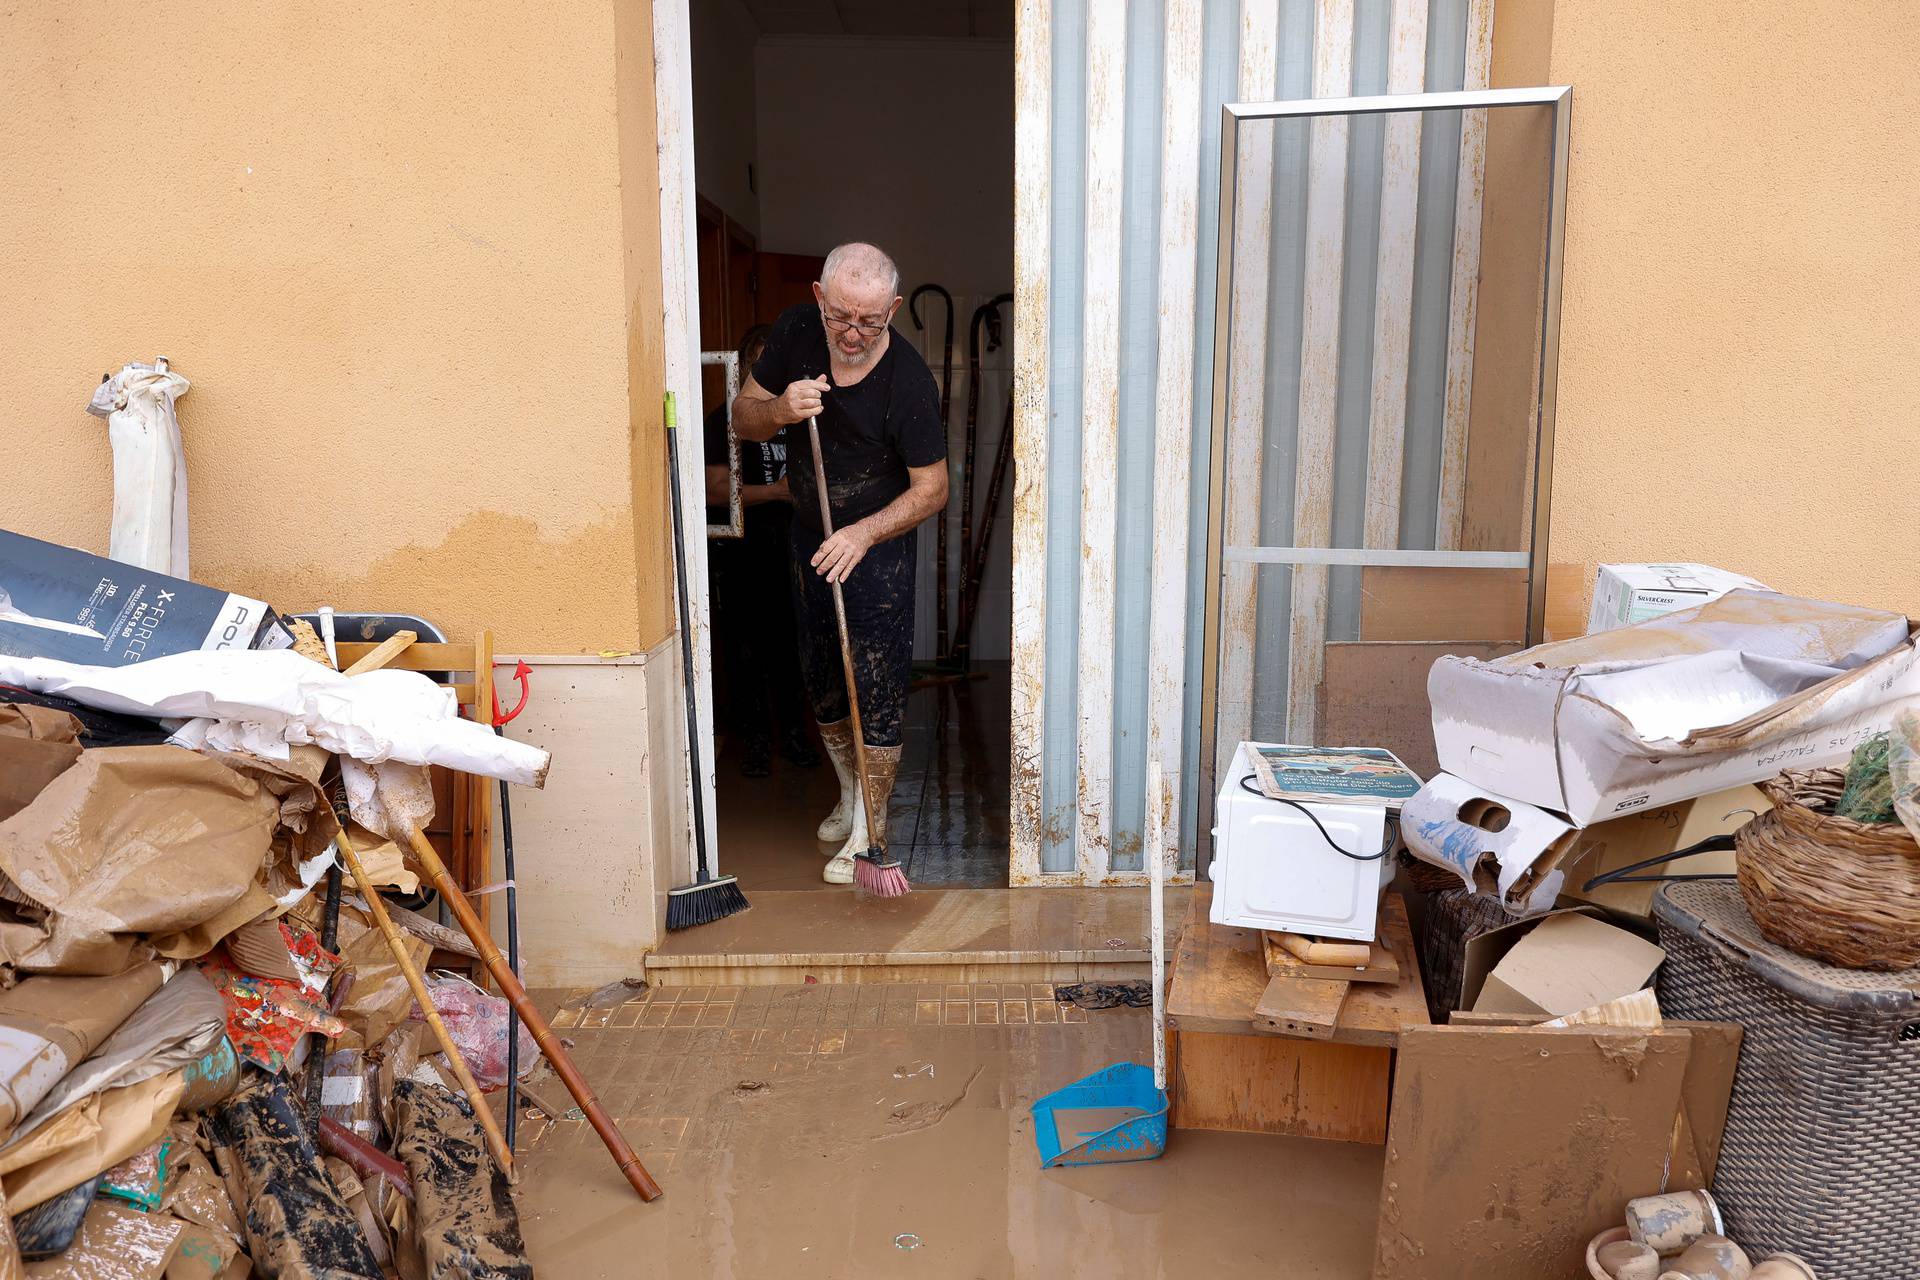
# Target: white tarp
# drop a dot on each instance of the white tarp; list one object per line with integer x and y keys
{"x": 149, "y": 466}
{"x": 265, "y": 700}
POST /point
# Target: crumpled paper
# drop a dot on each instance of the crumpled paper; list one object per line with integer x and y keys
{"x": 50, "y": 1024}
{"x": 262, "y": 700}
{"x": 37, "y": 745}
{"x": 266, "y": 1017}
{"x": 131, "y": 840}
{"x": 115, "y": 1243}
{"x": 172, "y": 1030}
{"x": 104, "y": 1129}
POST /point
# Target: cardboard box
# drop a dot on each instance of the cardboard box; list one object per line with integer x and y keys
{"x": 1624, "y": 594}
{"x": 1621, "y": 842}
{"x": 1556, "y": 964}
{"x": 59, "y": 602}
{"x": 1679, "y": 707}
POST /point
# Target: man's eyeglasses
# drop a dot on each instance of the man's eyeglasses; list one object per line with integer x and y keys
{"x": 838, "y": 325}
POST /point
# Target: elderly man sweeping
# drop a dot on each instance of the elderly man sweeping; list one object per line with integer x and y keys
{"x": 884, "y": 451}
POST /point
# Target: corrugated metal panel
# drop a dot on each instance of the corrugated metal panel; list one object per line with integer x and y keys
{"x": 1067, "y": 824}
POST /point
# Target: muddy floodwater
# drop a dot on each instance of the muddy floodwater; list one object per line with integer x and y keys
{"x": 883, "y": 1130}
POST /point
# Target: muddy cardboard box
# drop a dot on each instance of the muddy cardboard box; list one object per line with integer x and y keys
{"x": 59, "y": 602}
{"x": 1650, "y": 833}
{"x": 1684, "y": 705}
{"x": 1624, "y": 594}
{"x": 1555, "y": 964}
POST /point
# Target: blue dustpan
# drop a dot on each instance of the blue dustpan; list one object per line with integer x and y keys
{"x": 1112, "y": 1116}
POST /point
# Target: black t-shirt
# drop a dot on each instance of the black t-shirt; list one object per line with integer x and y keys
{"x": 870, "y": 432}
{"x": 761, "y": 462}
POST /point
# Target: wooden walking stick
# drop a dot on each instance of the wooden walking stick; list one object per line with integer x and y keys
{"x": 496, "y": 1141}
{"x": 556, "y": 1053}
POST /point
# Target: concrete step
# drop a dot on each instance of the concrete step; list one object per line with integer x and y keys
{"x": 932, "y": 935}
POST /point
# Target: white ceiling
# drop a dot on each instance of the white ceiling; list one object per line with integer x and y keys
{"x": 963, "y": 19}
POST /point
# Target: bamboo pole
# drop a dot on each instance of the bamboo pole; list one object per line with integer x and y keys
{"x": 556, "y": 1053}
{"x": 496, "y": 1141}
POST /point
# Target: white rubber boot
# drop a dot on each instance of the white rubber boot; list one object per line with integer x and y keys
{"x": 882, "y": 764}
{"x": 838, "y": 740}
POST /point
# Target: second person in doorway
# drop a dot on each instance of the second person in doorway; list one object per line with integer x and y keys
{"x": 752, "y": 620}
{"x": 885, "y": 451}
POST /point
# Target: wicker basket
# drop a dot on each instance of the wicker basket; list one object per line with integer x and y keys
{"x": 1828, "y": 887}
{"x": 1452, "y": 919}
{"x": 1818, "y": 1155}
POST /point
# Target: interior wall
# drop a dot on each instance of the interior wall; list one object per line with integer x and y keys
{"x": 932, "y": 183}
{"x": 908, "y": 143}
{"x": 1737, "y": 352}
{"x": 394, "y": 283}
{"x": 725, "y": 108}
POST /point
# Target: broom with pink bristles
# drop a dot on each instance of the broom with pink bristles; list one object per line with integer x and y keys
{"x": 873, "y": 870}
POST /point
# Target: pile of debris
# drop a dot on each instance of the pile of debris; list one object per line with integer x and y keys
{"x": 212, "y": 1056}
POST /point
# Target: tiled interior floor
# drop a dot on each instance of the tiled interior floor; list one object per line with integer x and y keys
{"x": 884, "y": 1130}
{"x": 948, "y": 821}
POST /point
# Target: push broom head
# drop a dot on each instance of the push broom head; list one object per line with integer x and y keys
{"x": 875, "y": 873}
{"x": 705, "y": 902}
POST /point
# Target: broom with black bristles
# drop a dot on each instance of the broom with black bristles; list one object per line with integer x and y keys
{"x": 708, "y": 898}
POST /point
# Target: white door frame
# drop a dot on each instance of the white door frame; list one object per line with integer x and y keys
{"x": 679, "y": 277}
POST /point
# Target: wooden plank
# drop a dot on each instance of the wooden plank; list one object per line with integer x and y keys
{"x": 1463, "y": 295}
{"x": 1173, "y": 413}
{"x": 418, "y": 656}
{"x": 1099, "y": 435}
{"x": 1319, "y": 365}
{"x": 1377, "y": 694}
{"x": 1393, "y": 286}
{"x": 1705, "y": 1092}
{"x": 1511, "y": 1147}
{"x": 1248, "y": 285}
{"x": 1487, "y": 606}
{"x": 1270, "y": 1084}
{"x": 1380, "y": 965}
{"x": 1220, "y": 973}
{"x": 1569, "y": 596}
{"x": 1032, "y": 256}
{"x": 673, "y": 113}
{"x": 1299, "y": 1006}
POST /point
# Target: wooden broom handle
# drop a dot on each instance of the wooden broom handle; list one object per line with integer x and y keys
{"x": 496, "y": 1141}
{"x": 840, "y": 617}
{"x": 556, "y": 1053}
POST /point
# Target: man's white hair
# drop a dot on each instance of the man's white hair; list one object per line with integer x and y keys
{"x": 857, "y": 260}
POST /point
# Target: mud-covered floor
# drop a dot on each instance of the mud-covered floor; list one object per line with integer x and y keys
{"x": 882, "y": 1130}
{"x": 948, "y": 821}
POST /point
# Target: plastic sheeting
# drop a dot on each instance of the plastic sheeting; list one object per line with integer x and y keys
{"x": 264, "y": 700}
{"x": 149, "y": 466}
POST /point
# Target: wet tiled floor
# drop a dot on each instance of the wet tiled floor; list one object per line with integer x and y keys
{"x": 883, "y": 1130}
{"x": 948, "y": 821}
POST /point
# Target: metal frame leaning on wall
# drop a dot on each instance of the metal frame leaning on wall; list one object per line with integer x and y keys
{"x": 1559, "y": 100}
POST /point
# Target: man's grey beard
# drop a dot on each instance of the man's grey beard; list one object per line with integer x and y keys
{"x": 867, "y": 352}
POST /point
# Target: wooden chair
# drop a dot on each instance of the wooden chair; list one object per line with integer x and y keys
{"x": 462, "y": 827}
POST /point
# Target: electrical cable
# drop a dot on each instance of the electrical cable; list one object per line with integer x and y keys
{"x": 1393, "y": 824}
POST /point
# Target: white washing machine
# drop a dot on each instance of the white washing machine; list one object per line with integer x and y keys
{"x": 1273, "y": 869}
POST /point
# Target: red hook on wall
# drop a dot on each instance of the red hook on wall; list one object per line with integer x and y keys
{"x": 520, "y": 672}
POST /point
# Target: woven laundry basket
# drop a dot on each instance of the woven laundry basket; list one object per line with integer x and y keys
{"x": 1841, "y": 891}
{"x": 1819, "y": 1156}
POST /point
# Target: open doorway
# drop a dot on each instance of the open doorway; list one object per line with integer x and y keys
{"x": 814, "y": 124}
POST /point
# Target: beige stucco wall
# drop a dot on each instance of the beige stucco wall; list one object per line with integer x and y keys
{"x": 386, "y": 244}
{"x": 1739, "y": 369}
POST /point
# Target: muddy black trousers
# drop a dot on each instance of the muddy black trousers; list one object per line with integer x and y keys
{"x": 879, "y": 598}
{"x": 754, "y": 627}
